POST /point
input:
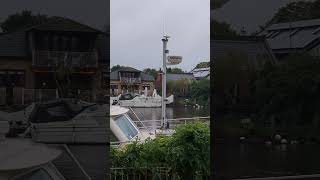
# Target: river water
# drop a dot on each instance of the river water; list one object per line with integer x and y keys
{"x": 150, "y": 114}
{"x": 259, "y": 160}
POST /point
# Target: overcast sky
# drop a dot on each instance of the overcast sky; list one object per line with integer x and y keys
{"x": 137, "y": 28}
{"x": 91, "y": 12}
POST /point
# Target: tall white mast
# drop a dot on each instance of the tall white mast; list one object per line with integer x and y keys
{"x": 164, "y": 82}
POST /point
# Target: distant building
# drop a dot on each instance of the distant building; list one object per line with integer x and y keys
{"x": 128, "y": 79}
{"x": 29, "y": 59}
{"x": 293, "y": 37}
{"x": 257, "y": 53}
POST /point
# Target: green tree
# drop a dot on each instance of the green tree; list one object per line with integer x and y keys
{"x": 200, "y": 92}
{"x": 296, "y": 11}
{"x": 203, "y": 65}
{"x": 179, "y": 87}
{"x": 216, "y": 4}
{"x": 151, "y": 71}
{"x": 174, "y": 70}
{"x": 116, "y": 67}
{"x": 22, "y": 20}
{"x": 222, "y": 29}
{"x": 288, "y": 95}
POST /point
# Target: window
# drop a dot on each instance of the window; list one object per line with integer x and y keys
{"x": 126, "y": 126}
{"x": 15, "y": 78}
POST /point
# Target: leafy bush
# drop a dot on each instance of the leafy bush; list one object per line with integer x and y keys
{"x": 185, "y": 153}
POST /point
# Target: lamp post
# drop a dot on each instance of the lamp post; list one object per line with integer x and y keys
{"x": 172, "y": 60}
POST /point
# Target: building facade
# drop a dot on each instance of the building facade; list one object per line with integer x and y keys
{"x": 32, "y": 59}
{"x": 128, "y": 79}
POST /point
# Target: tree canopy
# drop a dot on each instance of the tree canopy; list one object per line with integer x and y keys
{"x": 295, "y": 11}
{"x": 217, "y": 4}
{"x": 203, "y": 65}
{"x": 116, "y": 67}
{"x": 221, "y": 29}
{"x": 22, "y": 20}
{"x": 174, "y": 70}
{"x": 151, "y": 71}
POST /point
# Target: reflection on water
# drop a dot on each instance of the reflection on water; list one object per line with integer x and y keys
{"x": 172, "y": 112}
{"x": 258, "y": 160}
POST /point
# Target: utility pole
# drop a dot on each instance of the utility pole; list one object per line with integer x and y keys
{"x": 164, "y": 82}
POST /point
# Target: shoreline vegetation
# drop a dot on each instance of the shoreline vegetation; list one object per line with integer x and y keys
{"x": 176, "y": 153}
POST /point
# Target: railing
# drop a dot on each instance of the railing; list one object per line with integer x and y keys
{"x": 128, "y": 80}
{"x": 172, "y": 122}
{"x": 141, "y": 124}
{"x": 163, "y": 173}
{"x": 69, "y": 59}
{"x": 24, "y": 96}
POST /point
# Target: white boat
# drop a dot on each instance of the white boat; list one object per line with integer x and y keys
{"x": 61, "y": 121}
{"x": 74, "y": 128}
{"x": 136, "y": 100}
{"x": 123, "y": 127}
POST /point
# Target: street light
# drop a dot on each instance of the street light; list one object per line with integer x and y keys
{"x": 171, "y": 60}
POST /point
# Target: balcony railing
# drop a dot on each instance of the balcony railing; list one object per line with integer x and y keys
{"x": 68, "y": 59}
{"x": 128, "y": 80}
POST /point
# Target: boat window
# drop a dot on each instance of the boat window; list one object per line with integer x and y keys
{"x": 39, "y": 174}
{"x": 126, "y": 126}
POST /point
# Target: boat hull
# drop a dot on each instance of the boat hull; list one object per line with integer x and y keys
{"x": 144, "y": 102}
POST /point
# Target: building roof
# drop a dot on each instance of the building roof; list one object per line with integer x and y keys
{"x": 14, "y": 44}
{"x": 295, "y": 24}
{"x": 64, "y": 24}
{"x": 127, "y": 69}
{"x": 114, "y": 75}
{"x": 293, "y": 35}
{"x": 179, "y": 76}
{"x": 253, "y": 48}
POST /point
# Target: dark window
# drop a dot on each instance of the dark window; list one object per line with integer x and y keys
{"x": 12, "y": 78}
{"x": 75, "y": 44}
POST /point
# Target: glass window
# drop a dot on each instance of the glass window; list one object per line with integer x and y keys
{"x": 126, "y": 127}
